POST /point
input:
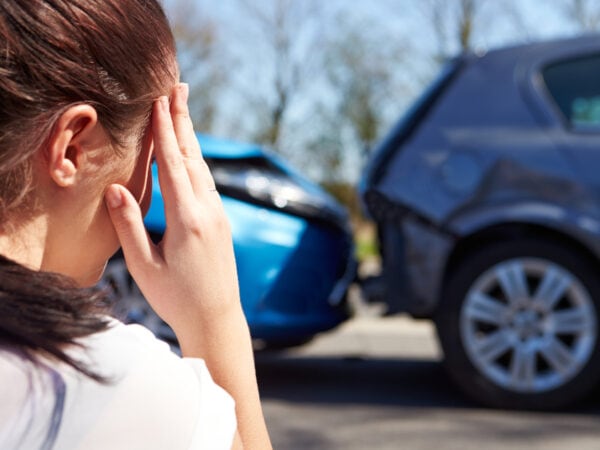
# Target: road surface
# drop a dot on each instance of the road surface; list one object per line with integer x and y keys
{"x": 378, "y": 383}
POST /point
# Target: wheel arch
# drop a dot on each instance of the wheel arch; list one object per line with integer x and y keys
{"x": 513, "y": 239}
{"x": 509, "y": 231}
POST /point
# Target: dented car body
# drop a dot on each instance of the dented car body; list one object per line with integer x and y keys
{"x": 502, "y": 149}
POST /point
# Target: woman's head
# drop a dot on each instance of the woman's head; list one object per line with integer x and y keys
{"x": 99, "y": 64}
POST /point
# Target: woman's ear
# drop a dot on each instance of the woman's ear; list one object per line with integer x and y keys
{"x": 65, "y": 150}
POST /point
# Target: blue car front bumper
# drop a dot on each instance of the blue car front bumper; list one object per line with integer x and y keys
{"x": 293, "y": 273}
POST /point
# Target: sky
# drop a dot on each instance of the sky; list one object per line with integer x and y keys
{"x": 403, "y": 23}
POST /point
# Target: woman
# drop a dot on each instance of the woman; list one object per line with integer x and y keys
{"x": 89, "y": 95}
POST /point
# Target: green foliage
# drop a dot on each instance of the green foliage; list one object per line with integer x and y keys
{"x": 366, "y": 246}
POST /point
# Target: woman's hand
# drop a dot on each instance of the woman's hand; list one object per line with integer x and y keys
{"x": 190, "y": 277}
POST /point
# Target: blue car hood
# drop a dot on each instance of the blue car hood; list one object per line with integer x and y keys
{"x": 218, "y": 148}
{"x": 221, "y": 148}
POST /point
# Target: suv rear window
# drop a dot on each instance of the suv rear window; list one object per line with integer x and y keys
{"x": 575, "y": 87}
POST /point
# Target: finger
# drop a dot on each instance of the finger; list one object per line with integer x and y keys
{"x": 172, "y": 174}
{"x": 182, "y": 123}
{"x": 127, "y": 220}
{"x": 199, "y": 173}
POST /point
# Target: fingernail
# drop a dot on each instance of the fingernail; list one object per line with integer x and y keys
{"x": 184, "y": 88}
{"x": 113, "y": 197}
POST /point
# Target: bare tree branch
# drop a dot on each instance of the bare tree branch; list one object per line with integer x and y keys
{"x": 585, "y": 14}
{"x": 288, "y": 30}
{"x": 454, "y": 24}
{"x": 199, "y": 60}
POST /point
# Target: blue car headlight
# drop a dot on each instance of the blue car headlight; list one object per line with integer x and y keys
{"x": 257, "y": 180}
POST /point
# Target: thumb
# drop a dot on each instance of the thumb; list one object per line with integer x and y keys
{"x": 126, "y": 217}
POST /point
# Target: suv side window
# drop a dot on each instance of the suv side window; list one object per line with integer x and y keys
{"x": 575, "y": 87}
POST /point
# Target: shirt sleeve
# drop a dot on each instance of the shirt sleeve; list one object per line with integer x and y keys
{"x": 216, "y": 424}
{"x": 154, "y": 399}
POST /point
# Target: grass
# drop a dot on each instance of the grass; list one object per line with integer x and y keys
{"x": 365, "y": 239}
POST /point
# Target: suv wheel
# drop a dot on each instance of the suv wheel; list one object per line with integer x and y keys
{"x": 519, "y": 325}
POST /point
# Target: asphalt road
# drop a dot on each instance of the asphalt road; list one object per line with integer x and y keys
{"x": 378, "y": 383}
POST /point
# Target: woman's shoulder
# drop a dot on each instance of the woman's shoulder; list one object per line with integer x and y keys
{"x": 16, "y": 382}
{"x": 151, "y": 399}
{"x": 120, "y": 345}
{"x": 149, "y": 390}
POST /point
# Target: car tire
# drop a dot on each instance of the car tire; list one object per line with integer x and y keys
{"x": 518, "y": 324}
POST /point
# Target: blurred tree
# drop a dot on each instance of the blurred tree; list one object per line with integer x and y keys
{"x": 359, "y": 87}
{"x": 360, "y": 74}
{"x": 584, "y": 14}
{"x": 324, "y": 143}
{"x": 454, "y": 24}
{"x": 201, "y": 63}
{"x": 286, "y": 32}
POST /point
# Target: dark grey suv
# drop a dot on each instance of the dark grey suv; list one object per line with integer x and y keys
{"x": 487, "y": 200}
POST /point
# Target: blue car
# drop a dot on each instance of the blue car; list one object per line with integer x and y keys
{"x": 292, "y": 243}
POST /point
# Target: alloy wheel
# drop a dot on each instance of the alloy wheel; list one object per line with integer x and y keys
{"x": 528, "y": 324}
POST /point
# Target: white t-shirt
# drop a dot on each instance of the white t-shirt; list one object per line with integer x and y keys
{"x": 153, "y": 400}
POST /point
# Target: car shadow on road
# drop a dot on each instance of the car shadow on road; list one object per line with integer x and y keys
{"x": 371, "y": 381}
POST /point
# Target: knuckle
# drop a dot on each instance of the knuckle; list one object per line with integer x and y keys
{"x": 126, "y": 226}
{"x": 220, "y": 221}
{"x": 195, "y": 226}
{"x": 212, "y": 224}
{"x": 186, "y": 149}
{"x": 183, "y": 115}
{"x": 173, "y": 160}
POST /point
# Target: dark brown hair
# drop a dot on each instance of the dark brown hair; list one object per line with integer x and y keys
{"x": 116, "y": 55}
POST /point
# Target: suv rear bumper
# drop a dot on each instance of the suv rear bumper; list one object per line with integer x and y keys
{"x": 414, "y": 260}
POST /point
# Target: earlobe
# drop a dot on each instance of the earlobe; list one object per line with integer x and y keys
{"x": 64, "y": 172}
{"x": 67, "y": 145}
